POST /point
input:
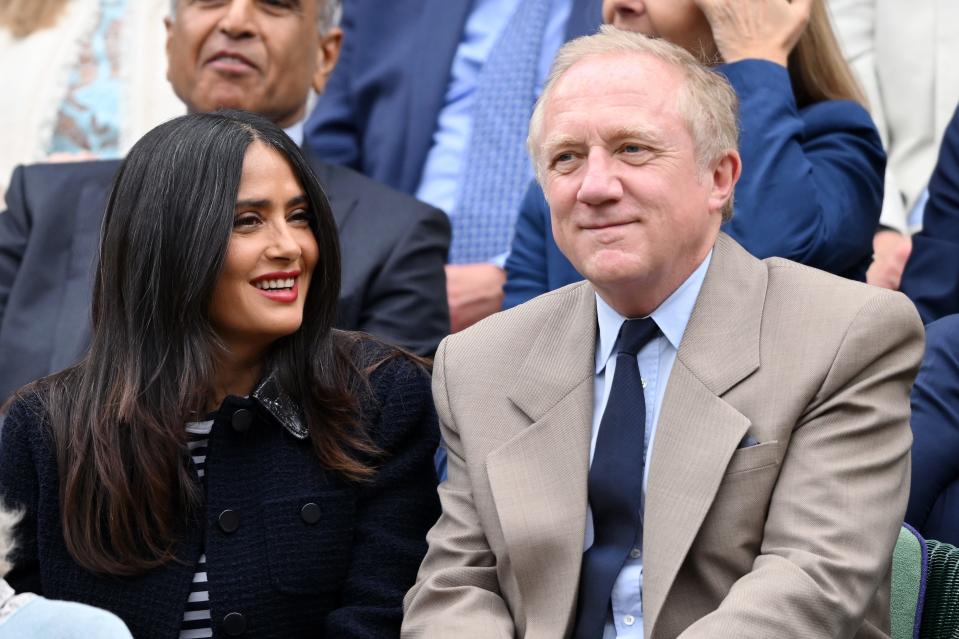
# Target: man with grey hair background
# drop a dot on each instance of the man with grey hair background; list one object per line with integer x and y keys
{"x": 263, "y": 57}
{"x": 693, "y": 442}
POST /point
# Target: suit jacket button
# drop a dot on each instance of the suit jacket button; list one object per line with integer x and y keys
{"x": 229, "y": 521}
{"x": 234, "y": 624}
{"x": 242, "y": 420}
{"x": 310, "y": 513}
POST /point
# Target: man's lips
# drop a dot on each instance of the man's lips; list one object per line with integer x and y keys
{"x": 605, "y": 225}
{"x": 230, "y": 62}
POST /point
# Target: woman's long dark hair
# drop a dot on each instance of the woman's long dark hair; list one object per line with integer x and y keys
{"x": 126, "y": 488}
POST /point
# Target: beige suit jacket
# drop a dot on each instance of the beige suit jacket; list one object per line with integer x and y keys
{"x": 788, "y": 538}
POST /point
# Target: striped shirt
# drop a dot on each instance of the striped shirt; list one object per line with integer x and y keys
{"x": 196, "y": 616}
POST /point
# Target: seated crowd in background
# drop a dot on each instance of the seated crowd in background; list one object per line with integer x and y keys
{"x": 211, "y": 449}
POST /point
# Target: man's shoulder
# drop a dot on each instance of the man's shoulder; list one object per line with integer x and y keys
{"x": 66, "y": 171}
{"x": 514, "y": 330}
{"x": 833, "y": 300}
{"x": 342, "y": 182}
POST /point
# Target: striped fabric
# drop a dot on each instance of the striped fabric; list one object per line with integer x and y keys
{"x": 196, "y": 616}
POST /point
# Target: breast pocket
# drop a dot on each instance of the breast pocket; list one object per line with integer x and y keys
{"x": 310, "y": 540}
{"x": 753, "y": 458}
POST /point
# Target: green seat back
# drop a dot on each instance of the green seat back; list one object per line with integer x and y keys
{"x": 907, "y": 582}
{"x": 940, "y": 615}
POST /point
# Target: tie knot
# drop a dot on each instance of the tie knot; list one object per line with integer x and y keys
{"x": 636, "y": 333}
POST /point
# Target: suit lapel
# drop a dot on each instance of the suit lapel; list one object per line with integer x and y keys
{"x": 538, "y": 478}
{"x": 433, "y": 59}
{"x": 342, "y": 201}
{"x": 697, "y": 431}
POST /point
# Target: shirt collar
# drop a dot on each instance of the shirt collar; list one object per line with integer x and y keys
{"x": 295, "y": 131}
{"x": 671, "y": 316}
{"x": 6, "y": 592}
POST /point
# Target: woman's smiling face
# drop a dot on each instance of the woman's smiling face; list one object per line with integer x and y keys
{"x": 260, "y": 293}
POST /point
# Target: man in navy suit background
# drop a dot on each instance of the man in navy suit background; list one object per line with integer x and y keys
{"x": 400, "y": 109}
{"x": 242, "y": 54}
{"x": 931, "y": 278}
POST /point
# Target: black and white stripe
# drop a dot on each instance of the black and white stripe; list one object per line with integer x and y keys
{"x": 196, "y": 616}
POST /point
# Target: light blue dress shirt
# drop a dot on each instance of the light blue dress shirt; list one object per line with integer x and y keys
{"x": 655, "y": 364}
{"x": 443, "y": 169}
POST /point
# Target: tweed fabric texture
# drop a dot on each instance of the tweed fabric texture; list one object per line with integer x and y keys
{"x": 343, "y": 576}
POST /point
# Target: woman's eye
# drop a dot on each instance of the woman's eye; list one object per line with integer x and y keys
{"x": 245, "y": 221}
{"x": 301, "y": 216}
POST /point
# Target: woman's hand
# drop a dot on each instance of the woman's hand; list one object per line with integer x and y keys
{"x": 764, "y": 29}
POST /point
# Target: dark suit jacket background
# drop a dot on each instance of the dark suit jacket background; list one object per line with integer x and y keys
{"x": 931, "y": 277}
{"x": 934, "y": 493}
{"x": 393, "y": 251}
{"x": 379, "y": 111}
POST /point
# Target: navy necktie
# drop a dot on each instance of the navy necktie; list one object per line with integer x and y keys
{"x": 615, "y": 482}
{"x": 497, "y": 169}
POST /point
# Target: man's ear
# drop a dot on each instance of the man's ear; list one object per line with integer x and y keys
{"x": 168, "y": 25}
{"x": 724, "y": 174}
{"x": 331, "y": 43}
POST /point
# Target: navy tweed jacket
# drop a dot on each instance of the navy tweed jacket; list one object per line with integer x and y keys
{"x": 284, "y": 571}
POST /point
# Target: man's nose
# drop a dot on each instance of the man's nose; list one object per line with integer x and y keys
{"x": 237, "y": 21}
{"x": 600, "y": 181}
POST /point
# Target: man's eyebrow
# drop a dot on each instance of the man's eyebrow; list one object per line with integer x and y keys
{"x": 637, "y": 133}
{"x": 560, "y": 140}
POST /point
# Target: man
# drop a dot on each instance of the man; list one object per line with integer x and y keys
{"x": 931, "y": 278}
{"x": 734, "y": 464}
{"x": 432, "y": 98}
{"x": 258, "y": 56}
{"x": 812, "y": 190}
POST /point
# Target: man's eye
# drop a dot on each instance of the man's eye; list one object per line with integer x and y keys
{"x": 632, "y": 148}
{"x": 278, "y": 4}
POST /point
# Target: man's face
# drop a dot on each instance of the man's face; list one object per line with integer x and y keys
{"x": 630, "y": 206}
{"x": 257, "y": 55}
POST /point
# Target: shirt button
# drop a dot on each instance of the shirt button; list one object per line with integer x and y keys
{"x": 636, "y": 553}
{"x": 643, "y": 381}
{"x": 629, "y": 620}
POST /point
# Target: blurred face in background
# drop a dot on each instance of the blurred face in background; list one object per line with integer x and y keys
{"x": 262, "y": 56}
{"x": 261, "y": 291}
{"x": 678, "y": 21}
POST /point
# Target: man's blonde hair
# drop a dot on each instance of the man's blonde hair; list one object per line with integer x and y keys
{"x": 706, "y": 101}
{"x": 8, "y": 520}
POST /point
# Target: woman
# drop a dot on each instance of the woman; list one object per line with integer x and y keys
{"x": 811, "y": 187}
{"x": 311, "y": 487}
